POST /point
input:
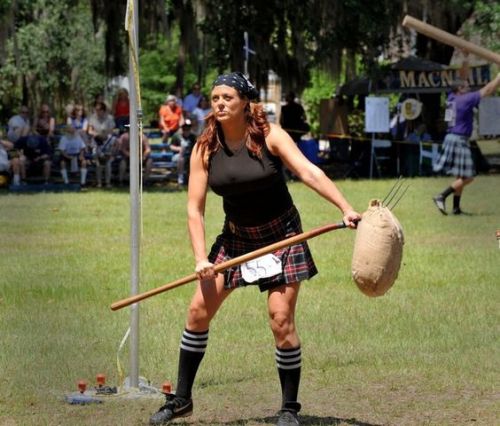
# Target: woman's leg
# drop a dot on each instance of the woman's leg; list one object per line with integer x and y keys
{"x": 17, "y": 171}
{"x": 281, "y": 306}
{"x": 205, "y": 303}
{"x": 83, "y": 170}
{"x": 46, "y": 170}
{"x": 107, "y": 171}
{"x": 180, "y": 167}
{"x": 98, "y": 172}
{"x": 206, "y": 300}
{"x": 64, "y": 172}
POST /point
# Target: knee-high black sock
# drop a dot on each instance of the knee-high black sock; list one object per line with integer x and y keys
{"x": 288, "y": 362}
{"x": 456, "y": 202}
{"x": 192, "y": 350}
{"x": 447, "y": 192}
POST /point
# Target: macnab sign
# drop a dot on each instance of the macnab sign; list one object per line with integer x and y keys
{"x": 430, "y": 81}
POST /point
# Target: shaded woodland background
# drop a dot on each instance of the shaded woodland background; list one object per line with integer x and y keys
{"x": 61, "y": 51}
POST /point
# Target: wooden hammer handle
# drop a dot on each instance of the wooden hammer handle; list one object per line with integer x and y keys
{"x": 450, "y": 39}
{"x": 221, "y": 267}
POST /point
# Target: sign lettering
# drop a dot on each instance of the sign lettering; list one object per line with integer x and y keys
{"x": 431, "y": 81}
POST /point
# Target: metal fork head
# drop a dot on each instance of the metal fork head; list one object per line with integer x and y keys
{"x": 396, "y": 193}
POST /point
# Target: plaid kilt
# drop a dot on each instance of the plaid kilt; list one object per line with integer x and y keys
{"x": 456, "y": 158}
{"x": 234, "y": 241}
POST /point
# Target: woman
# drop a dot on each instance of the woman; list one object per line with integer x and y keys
{"x": 45, "y": 123}
{"x": 199, "y": 114}
{"x": 121, "y": 108}
{"x": 78, "y": 120}
{"x": 239, "y": 155}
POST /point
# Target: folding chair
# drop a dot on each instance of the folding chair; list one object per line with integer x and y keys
{"x": 430, "y": 151}
{"x": 379, "y": 152}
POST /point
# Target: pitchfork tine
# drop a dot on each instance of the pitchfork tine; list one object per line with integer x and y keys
{"x": 394, "y": 190}
{"x": 399, "y": 198}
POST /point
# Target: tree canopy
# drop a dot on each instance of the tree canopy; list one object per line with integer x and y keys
{"x": 61, "y": 50}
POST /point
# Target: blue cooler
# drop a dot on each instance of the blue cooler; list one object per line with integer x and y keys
{"x": 310, "y": 148}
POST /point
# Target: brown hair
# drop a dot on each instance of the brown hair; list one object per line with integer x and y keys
{"x": 77, "y": 107}
{"x": 257, "y": 128}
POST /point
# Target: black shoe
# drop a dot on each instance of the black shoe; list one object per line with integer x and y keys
{"x": 461, "y": 212}
{"x": 439, "y": 202}
{"x": 288, "y": 418}
{"x": 288, "y": 415}
{"x": 175, "y": 407}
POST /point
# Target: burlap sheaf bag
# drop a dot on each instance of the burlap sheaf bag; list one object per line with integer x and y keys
{"x": 378, "y": 250}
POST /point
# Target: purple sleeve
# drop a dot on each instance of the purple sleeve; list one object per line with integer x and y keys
{"x": 472, "y": 99}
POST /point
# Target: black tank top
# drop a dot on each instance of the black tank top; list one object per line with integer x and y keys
{"x": 253, "y": 189}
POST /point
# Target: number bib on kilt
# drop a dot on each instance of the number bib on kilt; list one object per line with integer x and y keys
{"x": 262, "y": 267}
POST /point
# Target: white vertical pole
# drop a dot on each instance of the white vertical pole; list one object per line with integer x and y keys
{"x": 248, "y": 52}
{"x": 245, "y": 48}
{"x": 135, "y": 207}
{"x": 372, "y": 153}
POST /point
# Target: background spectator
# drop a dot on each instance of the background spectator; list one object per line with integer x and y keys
{"x": 101, "y": 127}
{"x": 72, "y": 148}
{"x": 182, "y": 145}
{"x": 101, "y": 123}
{"x": 5, "y": 147}
{"x": 191, "y": 100}
{"x": 78, "y": 120}
{"x": 33, "y": 158}
{"x": 124, "y": 151}
{"x": 293, "y": 118}
{"x": 170, "y": 116}
{"x": 45, "y": 123}
{"x": 99, "y": 97}
{"x": 19, "y": 124}
{"x": 199, "y": 114}
{"x": 121, "y": 108}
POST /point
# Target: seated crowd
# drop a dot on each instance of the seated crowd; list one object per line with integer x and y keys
{"x": 95, "y": 149}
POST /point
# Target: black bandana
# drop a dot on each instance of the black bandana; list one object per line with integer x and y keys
{"x": 239, "y": 81}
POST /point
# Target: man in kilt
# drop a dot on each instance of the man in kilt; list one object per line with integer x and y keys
{"x": 456, "y": 158}
{"x": 239, "y": 156}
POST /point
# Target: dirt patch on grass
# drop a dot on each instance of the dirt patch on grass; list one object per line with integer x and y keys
{"x": 344, "y": 397}
{"x": 255, "y": 403}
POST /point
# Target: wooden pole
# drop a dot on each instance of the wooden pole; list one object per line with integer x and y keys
{"x": 449, "y": 39}
{"x": 221, "y": 267}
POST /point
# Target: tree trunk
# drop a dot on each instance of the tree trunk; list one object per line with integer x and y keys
{"x": 350, "y": 65}
{"x": 184, "y": 14}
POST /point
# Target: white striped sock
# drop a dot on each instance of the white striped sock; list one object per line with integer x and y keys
{"x": 194, "y": 342}
{"x": 288, "y": 359}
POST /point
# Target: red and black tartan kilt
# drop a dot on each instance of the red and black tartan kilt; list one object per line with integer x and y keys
{"x": 234, "y": 241}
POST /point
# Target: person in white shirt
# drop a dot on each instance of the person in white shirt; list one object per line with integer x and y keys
{"x": 5, "y": 146}
{"x": 18, "y": 125}
{"x": 72, "y": 148}
{"x": 101, "y": 127}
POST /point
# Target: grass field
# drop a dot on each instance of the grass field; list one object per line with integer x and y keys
{"x": 426, "y": 353}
